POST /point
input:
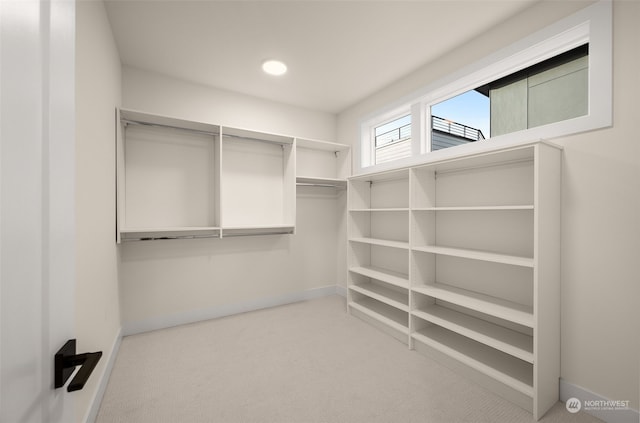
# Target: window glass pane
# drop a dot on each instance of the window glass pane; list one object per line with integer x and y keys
{"x": 459, "y": 120}
{"x": 393, "y": 140}
{"x": 550, "y": 91}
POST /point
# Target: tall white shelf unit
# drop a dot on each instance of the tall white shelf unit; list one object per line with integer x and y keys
{"x": 459, "y": 258}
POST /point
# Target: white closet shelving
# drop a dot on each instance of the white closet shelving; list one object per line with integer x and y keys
{"x": 184, "y": 179}
{"x": 322, "y": 163}
{"x": 459, "y": 258}
{"x": 378, "y": 228}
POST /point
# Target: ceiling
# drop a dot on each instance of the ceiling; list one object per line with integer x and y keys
{"x": 337, "y": 52}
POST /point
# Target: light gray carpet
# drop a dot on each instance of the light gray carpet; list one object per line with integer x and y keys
{"x": 304, "y": 362}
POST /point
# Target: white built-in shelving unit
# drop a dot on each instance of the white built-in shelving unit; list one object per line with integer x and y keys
{"x": 322, "y": 163}
{"x": 459, "y": 259}
{"x": 183, "y": 179}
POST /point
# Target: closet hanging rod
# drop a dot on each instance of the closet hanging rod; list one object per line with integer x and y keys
{"x": 161, "y": 125}
{"x": 239, "y": 234}
{"x": 171, "y": 237}
{"x": 304, "y": 184}
{"x": 282, "y": 143}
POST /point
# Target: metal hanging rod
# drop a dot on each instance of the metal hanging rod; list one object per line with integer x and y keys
{"x": 239, "y": 234}
{"x": 161, "y": 125}
{"x": 282, "y": 143}
{"x": 305, "y": 184}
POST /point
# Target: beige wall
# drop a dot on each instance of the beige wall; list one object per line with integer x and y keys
{"x": 97, "y": 95}
{"x": 166, "y": 282}
{"x": 601, "y": 181}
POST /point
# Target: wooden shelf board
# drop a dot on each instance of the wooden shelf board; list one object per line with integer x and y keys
{"x": 170, "y": 229}
{"x": 389, "y": 209}
{"x": 502, "y": 367}
{"x": 390, "y": 175}
{"x": 148, "y": 234}
{"x": 320, "y": 145}
{"x": 384, "y": 295}
{"x": 382, "y": 242}
{"x": 394, "y": 278}
{"x": 329, "y": 182}
{"x": 251, "y": 135}
{"x": 230, "y": 231}
{"x": 383, "y": 313}
{"x": 481, "y": 159}
{"x": 477, "y": 255}
{"x": 475, "y": 208}
{"x": 506, "y": 340}
{"x": 497, "y": 307}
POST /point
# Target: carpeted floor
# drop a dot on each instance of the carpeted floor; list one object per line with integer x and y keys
{"x": 304, "y": 362}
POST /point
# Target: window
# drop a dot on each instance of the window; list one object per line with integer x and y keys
{"x": 393, "y": 140}
{"x": 550, "y": 91}
{"x": 553, "y": 83}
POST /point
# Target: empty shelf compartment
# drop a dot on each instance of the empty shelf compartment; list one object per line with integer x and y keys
{"x": 511, "y": 371}
{"x": 389, "y": 276}
{"x": 499, "y": 337}
{"x": 390, "y": 316}
{"x": 384, "y": 294}
{"x": 493, "y": 306}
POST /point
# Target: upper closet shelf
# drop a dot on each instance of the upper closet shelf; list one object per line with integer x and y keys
{"x": 130, "y": 117}
{"x": 247, "y": 134}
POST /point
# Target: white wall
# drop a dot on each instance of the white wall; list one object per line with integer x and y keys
{"x": 97, "y": 95}
{"x": 601, "y": 181}
{"x": 154, "y": 93}
{"x": 175, "y": 281}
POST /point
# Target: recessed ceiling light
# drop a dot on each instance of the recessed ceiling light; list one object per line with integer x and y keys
{"x": 274, "y": 67}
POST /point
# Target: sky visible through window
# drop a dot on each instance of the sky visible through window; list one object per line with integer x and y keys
{"x": 470, "y": 108}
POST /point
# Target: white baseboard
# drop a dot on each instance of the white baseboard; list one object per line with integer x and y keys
{"x": 177, "y": 319}
{"x": 94, "y": 407}
{"x": 627, "y": 415}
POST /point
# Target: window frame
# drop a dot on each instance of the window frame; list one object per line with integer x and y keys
{"x": 592, "y": 25}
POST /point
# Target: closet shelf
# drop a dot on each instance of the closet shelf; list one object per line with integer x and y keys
{"x": 502, "y": 367}
{"x": 394, "y": 278}
{"x": 389, "y": 209}
{"x": 148, "y": 234}
{"x": 492, "y": 306}
{"x": 186, "y": 232}
{"x": 321, "y": 182}
{"x": 231, "y": 231}
{"x": 384, "y": 295}
{"x": 475, "y": 208}
{"x": 477, "y": 255}
{"x": 390, "y": 316}
{"x": 506, "y": 340}
{"x": 382, "y": 242}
